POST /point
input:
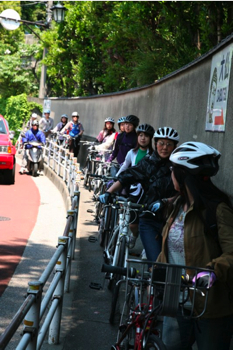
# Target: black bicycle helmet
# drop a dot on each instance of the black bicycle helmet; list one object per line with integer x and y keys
{"x": 132, "y": 119}
{"x": 167, "y": 133}
{"x": 146, "y": 128}
{"x": 197, "y": 157}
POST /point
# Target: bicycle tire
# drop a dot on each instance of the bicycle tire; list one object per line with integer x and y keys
{"x": 131, "y": 302}
{"x": 107, "y": 227}
{"x": 103, "y": 229}
{"x": 155, "y": 343}
{"x": 86, "y": 173}
{"x": 117, "y": 278}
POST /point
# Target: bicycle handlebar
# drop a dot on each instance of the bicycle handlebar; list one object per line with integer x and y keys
{"x": 132, "y": 272}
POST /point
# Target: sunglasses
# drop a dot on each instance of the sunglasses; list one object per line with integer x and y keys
{"x": 168, "y": 144}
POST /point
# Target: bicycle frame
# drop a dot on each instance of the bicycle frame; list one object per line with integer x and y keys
{"x": 174, "y": 284}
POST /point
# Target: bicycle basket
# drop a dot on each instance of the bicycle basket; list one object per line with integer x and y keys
{"x": 167, "y": 282}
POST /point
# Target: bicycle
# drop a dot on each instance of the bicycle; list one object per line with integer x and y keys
{"x": 90, "y": 166}
{"x": 116, "y": 251}
{"x": 150, "y": 295}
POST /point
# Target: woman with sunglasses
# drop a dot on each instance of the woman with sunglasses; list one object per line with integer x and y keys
{"x": 153, "y": 173}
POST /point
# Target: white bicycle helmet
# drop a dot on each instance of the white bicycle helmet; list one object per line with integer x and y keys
{"x": 132, "y": 119}
{"x": 35, "y": 122}
{"x": 197, "y": 157}
{"x": 109, "y": 119}
{"x": 75, "y": 114}
{"x": 148, "y": 129}
{"x": 121, "y": 120}
{"x": 34, "y": 115}
{"x": 167, "y": 133}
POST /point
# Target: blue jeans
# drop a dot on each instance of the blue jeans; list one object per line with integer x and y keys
{"x": 210, "y": 334}
{"x": 150, "y": 233}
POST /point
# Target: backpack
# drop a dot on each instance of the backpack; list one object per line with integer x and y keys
{"x": 75, "y": 130}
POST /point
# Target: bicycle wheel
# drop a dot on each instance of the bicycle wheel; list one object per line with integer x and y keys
{"x": 86, "y": 173}
{"x": 130, "y": 305}
{"x": 117, "y": 278}
{"x": 154, "y": 342}
{"x": 103, "y": 227}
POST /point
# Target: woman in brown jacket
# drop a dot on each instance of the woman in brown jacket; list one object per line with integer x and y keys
{"x": 199, "y": 232}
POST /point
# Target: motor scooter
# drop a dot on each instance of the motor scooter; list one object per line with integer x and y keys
{"x": 34, "y": 156}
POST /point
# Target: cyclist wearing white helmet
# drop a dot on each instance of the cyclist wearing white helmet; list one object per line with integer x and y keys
{"x": 75, "y": 130}
{"x": 199, "y": 233}
{"x": 29, "y": 123}
{"x": 107, "y": 130}
{"x": 144, "y": 146}
{"x": 153, "y": 173}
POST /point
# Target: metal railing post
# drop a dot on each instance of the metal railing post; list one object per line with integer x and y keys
{"x": 54, "y": 329}
{"x": 71, "y": 248}
{"x": 32, "y": 318}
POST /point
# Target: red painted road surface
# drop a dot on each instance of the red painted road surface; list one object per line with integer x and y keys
{"x": 19, "y": 205}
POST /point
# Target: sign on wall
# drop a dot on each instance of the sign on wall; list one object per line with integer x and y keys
{"x": 47, "y": 104}
{"x": 218, "y": 90}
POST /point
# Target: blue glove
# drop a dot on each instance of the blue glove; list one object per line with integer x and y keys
{"x": 154, "y": 207}
{"x": 205, "y": 279}
{"x": 105, "y": 198}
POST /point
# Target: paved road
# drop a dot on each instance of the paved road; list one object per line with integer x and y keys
{"x": 19, "y": 207}
{"x": 48, "y": 223}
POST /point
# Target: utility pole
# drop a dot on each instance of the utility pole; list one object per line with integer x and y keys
{"x": 43, "y": 86}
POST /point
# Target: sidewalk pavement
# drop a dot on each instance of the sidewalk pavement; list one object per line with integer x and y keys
{"x": 85, "y": 324}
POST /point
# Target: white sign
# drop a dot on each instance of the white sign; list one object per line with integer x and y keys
{"x": 47, "y": 104}
{"x": 218, "y": 90}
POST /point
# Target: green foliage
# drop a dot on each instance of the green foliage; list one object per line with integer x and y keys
{"x": 106, "y": 46}
{"x": 17, "y": 110}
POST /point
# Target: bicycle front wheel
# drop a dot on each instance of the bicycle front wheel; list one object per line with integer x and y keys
{"x": 117, "y": 278}
{"x": 154, "y": 342}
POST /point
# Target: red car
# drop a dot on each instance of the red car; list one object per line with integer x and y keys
{"x": 7, "y": 153}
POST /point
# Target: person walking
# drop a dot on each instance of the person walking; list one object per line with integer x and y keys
{"x": 199, "y": 233}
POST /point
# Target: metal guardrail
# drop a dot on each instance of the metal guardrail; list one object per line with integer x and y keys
{"x": 63, "y": 163}
{"x": 41, "y": 314}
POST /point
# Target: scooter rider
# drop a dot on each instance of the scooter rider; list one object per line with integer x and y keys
{"x": 34, "y": 134}
{"x": 46, "y": 123}
{"x": 60, "y": 126}
{"x": 75, "y": 130}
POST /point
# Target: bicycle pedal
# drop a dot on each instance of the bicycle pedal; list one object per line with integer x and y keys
{"x": 92, "y": 239}
{"x": 107, "y": 276}
{"x": 134, "y": 254}
{"x": 96, "y": 286}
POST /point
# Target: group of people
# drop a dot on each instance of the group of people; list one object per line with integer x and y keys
{"x": 40, "y": 130}
{"x": 190, "y": 220}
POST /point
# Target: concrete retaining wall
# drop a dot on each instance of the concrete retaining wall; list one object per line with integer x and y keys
{"x": 178, "y": 100}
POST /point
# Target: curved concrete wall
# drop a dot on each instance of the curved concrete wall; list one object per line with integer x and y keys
{"x": 178, "y": 100}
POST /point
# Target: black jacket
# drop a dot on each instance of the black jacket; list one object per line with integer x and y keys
{"x": 153, "y": 173}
